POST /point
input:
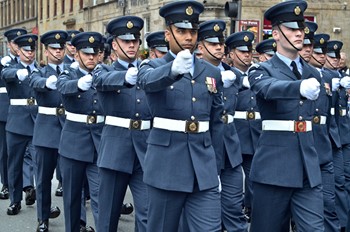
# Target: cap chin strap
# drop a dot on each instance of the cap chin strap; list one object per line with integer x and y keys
{"x": 218, "y": 59}
{"x": 172, "y": 33}
{"x": 115, "y": 39}
{"x": 247, "y": 65}
{"x": 58, "y": 59}
{"x": 298, "y": 49}
{"x": 86, "y": 68}
{"x": 303, "y": 59}
{"x": 317, "y": 61}
{"x": 330, "y": 63}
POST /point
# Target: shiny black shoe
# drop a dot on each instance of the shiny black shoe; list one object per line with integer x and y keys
{"x": 127, "y": 208}
{"x": 55, "y": 212}
{"x": 30, "y": 196}
{"x": 59, "y": 190}
{"x": 86, "y": 229}
{"x": 43, "y": 226}
{"x": 14, "y": 209}
{"x": 4, "y": 193}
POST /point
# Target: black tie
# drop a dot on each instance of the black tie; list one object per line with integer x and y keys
{"x": 29, "y": 71}
{"x": 58, "y": 70}
{"x": 295, "y": 70}
{"x": 73, "y": 60}
{"x": 16, "y": 59}
{"x": 130, "y": 65}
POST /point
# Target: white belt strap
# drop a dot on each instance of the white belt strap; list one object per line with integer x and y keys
{"x": 342, "y": 112}
{"x": 88, "y": 119}
{"x": 23, "y": 102}
{"x": 227, "y": 118}
{"x": 319, "y": 119}
{"x": 332, "y": 111}
{"x": 180, "y": 125}
{"x": 3, "y": 90}
{"x": 128, "y": 123}
{"x": 51, "y": 110}
{"x": 247, "y": 115}
{"x": 284, "y": 125}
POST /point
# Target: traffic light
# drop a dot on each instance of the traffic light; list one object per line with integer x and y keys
{"x": 231, "y": 9}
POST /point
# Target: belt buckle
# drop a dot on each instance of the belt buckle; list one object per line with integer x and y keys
{"x": 91, "y": 119}
{"x": 225, "y": 118}
{"x": 135, "y": 124}
{"x": 300, "y": 126}
{"x": 341, "y": 112}
{"x": 250, "y": 115}
{"x": 316, "y": 120}
{"x": 192, "y": 126}
{"x": 60, "y": 111}
{"x": 30, "y": 101}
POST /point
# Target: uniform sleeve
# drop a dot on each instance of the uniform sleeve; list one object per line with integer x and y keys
{"x": 217, "y": 125}
{"x": 38, "y": 81}
{"x": 153, "y": 76}
{"x": 8, "y": 74}
{"x": 109, "y": 79}
{"x": 67, "y": 83}
{"x": 266, "y": 86}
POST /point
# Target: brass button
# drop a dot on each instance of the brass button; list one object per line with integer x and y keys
{"x": 225, "y": 98}
{"x": 224, "y": 112}
{"x": 251, "y": 115}
{"x": 95, "y": 101}
{"x": 118, "y": 91}
{"x": 171, "y": 87}
{"x": 138, "y": 100}
{"x": 300, "y": 118}
{"x": 301, "y": 103}
{"x": 138, "y": 88}
{"x": 317, "y": 110}
{"x": 194, "y": 99}
{"x": 193, "y": 81}
{"x": 79, "y": 96}
{"x": 193, "y": 118}
{"x": 94, "y": 111}
{"x": 316, "y": 119}
{"x": 137, "y": 115}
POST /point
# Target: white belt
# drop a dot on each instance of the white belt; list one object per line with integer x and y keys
{"x": 342, "y": 112}
{"x": 180, "y": 125}
{"x": 23, "y": 102}
{"x": 284, "y": 125}
{"x": 332, "y": 111}
{"x": 128, "y": 123}
{"x": 227, "y": 118}
{"x": 88, "y": 119}
{"x": 247, "y": 115}
{"x": 3, "y": 90}
{"x": 319, "y": 119}
{"x": 51, "y": 110}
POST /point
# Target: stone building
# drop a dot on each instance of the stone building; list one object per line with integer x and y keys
{"x": 39, "y": 16}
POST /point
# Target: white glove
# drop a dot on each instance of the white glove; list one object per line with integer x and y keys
{"x": 335, "y": 83}
{"x": 345, "y": 82}
{"x": 131, "y": 75}
{"x": 182, "y": 63}
{"x": 310, "y": 88}
{"x": 5, "y": 60}
{"x": 22, "y": 74}
{"x": 74, "y": 65}
{"x": 84, "y": 83}
{"x": 245, "y": 82}
{"x": 51, "y": 82}
{"x": 220, "y": 186}
{"x": 228, "y": 77}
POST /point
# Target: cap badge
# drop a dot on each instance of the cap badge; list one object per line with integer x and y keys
{"x": 189, "y": 10}
{"x": 297, "y": 10}
{"x": 19, "y": 33}
{"x": 129, "y": 25}
{"x": 321, "y": 41}
{"x": 30, "y": 40}
{"x": 57, "y": 36}
{"x": 246, "y": 39}
{"x": 335, "y": 47}
{"x": 274, "y": 44}
{"x": 216, "y": 28}
{"x": 72, "y": 35}
{"x": 307, "y": 30}
{"x": 91, "y": 39}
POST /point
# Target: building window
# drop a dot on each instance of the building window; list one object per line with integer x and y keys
{"x": 22, "y": 9}
{"x": 9, "y": 13}
{"x": 48, "y": 9}
{"x": 71, "y": 6}
{"x": 63, "y": 5}
{"x": 55, "y": 8}
{"x": 81, "y": 4}
{"x": 41, "y": 10}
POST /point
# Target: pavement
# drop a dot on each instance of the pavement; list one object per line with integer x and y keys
{"x": 26, "y": 220}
